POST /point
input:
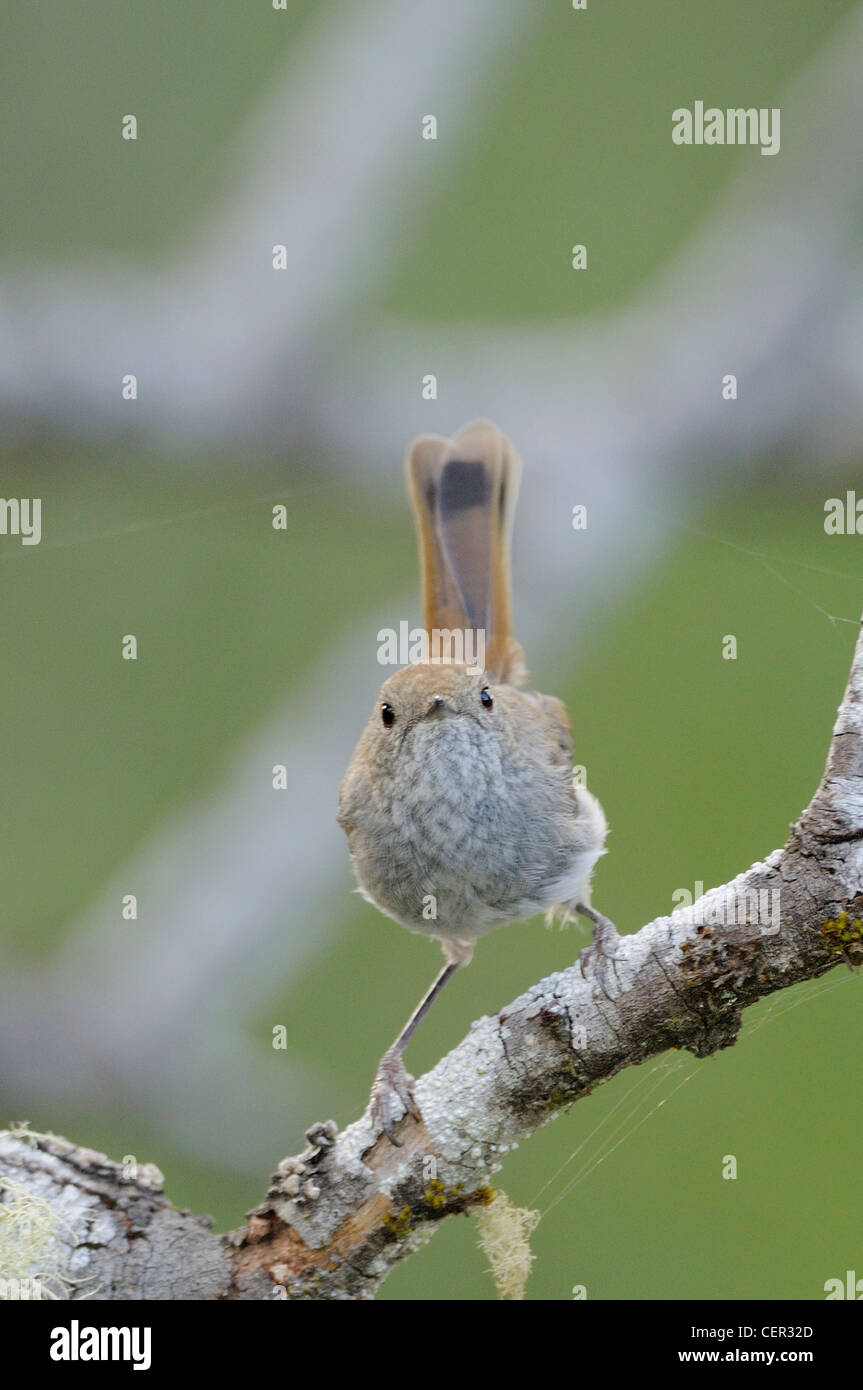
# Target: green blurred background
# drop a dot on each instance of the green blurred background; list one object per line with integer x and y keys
{"x": 700, "y": 763}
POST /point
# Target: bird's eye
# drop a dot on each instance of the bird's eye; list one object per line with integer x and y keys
{"x": 388, "y": 715}
{"x": 486, "y": 697}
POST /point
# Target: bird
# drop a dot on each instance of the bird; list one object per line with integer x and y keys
{"x": 460, "y": 804}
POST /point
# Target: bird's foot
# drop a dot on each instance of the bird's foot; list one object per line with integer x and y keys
{"x": 392, "y": 1084}
{"x": 597, "y": 959}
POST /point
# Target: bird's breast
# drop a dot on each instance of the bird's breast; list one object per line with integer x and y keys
{"x": 461, "y": 835}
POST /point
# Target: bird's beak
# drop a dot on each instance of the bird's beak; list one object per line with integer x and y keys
{"x": 439, "y": 705}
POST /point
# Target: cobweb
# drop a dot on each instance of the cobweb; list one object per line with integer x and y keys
{"x": 651, "y": 1091}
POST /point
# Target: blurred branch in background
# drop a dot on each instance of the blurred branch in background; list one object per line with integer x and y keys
{"x": 770, "y": 290}
{"x": 221, "y": 344}
{"x": 224, "y": 346}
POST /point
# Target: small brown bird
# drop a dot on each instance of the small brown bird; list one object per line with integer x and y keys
{"x": 459, "y": 804}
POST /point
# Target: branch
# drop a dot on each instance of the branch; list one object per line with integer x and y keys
{"x": 339, "y": 1216}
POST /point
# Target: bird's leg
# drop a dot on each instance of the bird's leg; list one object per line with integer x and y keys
{"x": 392, "y": 1079}
{"x": 600, "y": 953}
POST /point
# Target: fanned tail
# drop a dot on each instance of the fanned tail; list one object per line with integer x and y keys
{"x": 464, "y": 492}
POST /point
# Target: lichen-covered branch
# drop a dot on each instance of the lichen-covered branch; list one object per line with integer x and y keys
{"x": 73, "y": 1224}
{"x": 340, "y": 1215}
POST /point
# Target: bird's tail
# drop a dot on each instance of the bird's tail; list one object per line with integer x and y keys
{"x": 464, "y": 493}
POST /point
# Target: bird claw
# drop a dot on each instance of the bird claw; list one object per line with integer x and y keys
{"x": 392, "y": 1081}
{"x": 599, "y": 956}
